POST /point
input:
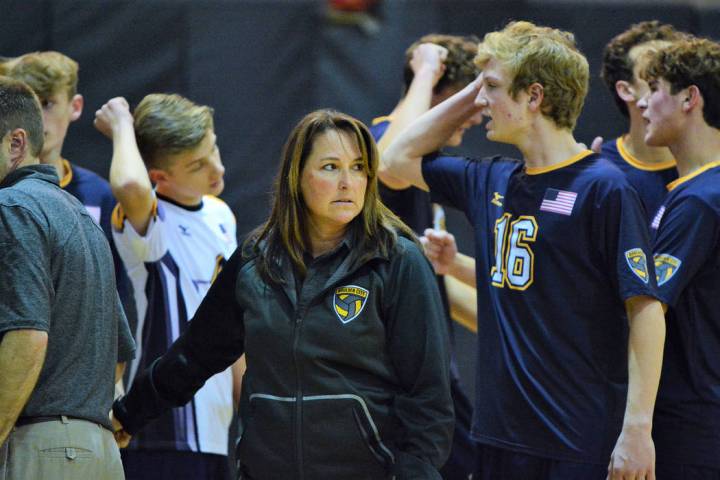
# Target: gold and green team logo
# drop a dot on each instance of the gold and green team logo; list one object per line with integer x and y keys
{"x": 637, "y": 261}
{"x": 665, "y": 267}
{"x": 349, "y": 302}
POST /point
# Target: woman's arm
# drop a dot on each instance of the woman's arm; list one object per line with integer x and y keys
{"x": 213, "y": 341}
{"x": 419, "y": 349}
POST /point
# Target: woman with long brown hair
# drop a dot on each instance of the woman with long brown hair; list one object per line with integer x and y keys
{"x": 338, "y": 315}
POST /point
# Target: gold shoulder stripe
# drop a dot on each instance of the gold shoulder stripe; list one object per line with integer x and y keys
{"x": 154, "y": 209}
{"x": 219, "y": 261}
{"x": 377, "y": 120}
{"x": 67, "y": 174}
{"x": 117, "y": 218}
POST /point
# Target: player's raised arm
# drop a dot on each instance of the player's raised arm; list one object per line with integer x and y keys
{"x": 128, "y": 175}
{"x": 429, "y": 133}
{"x": 428, "y": 68}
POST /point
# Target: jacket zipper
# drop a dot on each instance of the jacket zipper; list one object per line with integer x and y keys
{"x": 298, "y": 393}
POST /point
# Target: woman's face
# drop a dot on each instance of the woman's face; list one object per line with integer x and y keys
{"x": 333, "y": 181}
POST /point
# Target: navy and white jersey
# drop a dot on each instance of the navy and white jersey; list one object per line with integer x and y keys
{"x": 686, "y": 428}
{"x": 411, "y": 204}
{"x": 172, "y": 267}
{"x": 558, "y": 251}
{"x": 95, "y": 194}
{"x": 649, "y": 179}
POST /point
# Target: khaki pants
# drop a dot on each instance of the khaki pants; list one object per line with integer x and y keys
{"x": 66, "y": 449}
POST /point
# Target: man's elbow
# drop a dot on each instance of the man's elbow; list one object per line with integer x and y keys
{"x": 32, "y": 340}
{"x": 390, "y": 181}
{"x": 128, "y": 191}
{"x": 28, "y": 344}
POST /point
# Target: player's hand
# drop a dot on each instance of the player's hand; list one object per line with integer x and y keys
{"x": 112, "y": 116}
{"x": 597, "y": 144}
{"x": 122, "y": 438}
{"x": 479, "y": 99}
{"x": 440, "y": 248}
{"x": 429, "y": 56}
{"x": 634, "y": 456}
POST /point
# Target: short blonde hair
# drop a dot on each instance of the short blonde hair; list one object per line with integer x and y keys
{"x": 47, "y": 73}
{"x": 168, "y": 124}
{"x": 544, "y": 55}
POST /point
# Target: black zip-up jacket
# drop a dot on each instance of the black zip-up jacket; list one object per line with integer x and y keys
{"x": 347, "y": 372}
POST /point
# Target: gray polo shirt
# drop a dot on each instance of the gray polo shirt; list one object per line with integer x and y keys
{"x": 56, "y": 275}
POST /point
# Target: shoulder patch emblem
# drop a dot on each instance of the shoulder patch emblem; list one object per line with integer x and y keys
{"x": 637, "y": 261}
{"x": 666, "y": 266}
{"x": 349, "y": 302}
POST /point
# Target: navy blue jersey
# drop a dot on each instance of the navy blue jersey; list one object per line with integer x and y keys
{"x": 558, "y": 250}
{"x": 411, "y": 204}
{"x": 94, "y": 193}
{"x": 686, "y": 428}
{"x": 649, "y": 179}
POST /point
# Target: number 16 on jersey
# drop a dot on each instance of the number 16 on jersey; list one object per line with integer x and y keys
{"x": 514, "y": 259}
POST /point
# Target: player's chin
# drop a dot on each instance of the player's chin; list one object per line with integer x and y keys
{"x": 217, "y": 187}
{"x": 652, "y": 139}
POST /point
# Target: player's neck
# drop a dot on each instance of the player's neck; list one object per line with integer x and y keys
{"x": 178, "y": 197}
{"x": 634, "y": 143}
{"x": 548, "y": 145}
{"x": 696, "y": 148}
{"x": 53, "y": 158}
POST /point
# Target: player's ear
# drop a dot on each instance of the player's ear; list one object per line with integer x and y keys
{"x": 693, "y": 98}
{"x": 625, "y": 91}
{"x": 76, "y": 104}
{"x": 16, "y": 147}
{"x": 157, "y": 176}
{"x": 536, "y": 94}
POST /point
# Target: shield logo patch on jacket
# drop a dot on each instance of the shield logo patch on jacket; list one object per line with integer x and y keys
{"x": 349, "y": 302}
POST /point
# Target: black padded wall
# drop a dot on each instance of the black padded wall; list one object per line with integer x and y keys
{"x": 263, "y": 64}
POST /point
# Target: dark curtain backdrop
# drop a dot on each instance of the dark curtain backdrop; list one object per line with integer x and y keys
{"x": 263, "y": 64}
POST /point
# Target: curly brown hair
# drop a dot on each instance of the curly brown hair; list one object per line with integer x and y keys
{"x": 689, "y": 62}
{"x": 616, "y": 62}
{"x": 459, "y": 67}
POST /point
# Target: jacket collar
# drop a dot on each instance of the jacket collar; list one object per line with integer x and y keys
{"x": 347, "y": 267}
{"x": 46, "y": 173}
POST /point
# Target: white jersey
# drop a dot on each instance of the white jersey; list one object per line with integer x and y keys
{"x": 171, "y": 268}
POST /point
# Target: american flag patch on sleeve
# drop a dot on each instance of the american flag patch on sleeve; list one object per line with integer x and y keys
{"x": 558, "y": 201}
